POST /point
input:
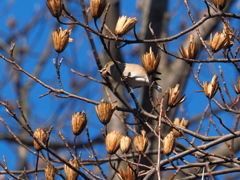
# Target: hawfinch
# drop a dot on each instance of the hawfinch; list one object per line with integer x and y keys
{"x": 136, "y": 76}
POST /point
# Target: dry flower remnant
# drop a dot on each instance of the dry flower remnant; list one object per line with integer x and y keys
{"x": 173, "y": 95}
{"x": 168, "y": 143}
{"x": 49, "y": 172}
{"x": 222, "y": 39}
{"x": 113, "y": 141}
{"x": 150, "y": 62}
{"x": 220, "y": 4}
{"x": 41, "y": 135}
{"x": 125, "y": 144}
{"x": 237, "y": 87}
{"x": 140, "y": 142}
{"x": 129, "y": 175}
{"x": 124, "y": 25}
{"x": 79, "y": 122}
{"x": 105, "y": 111}
{"x": 97, "y": 7}
{"x": 180, "y": 122}
{"x": 61, "y": 39}
{"x": 70, "y": 173}
{"x": 55, "y": 7}
{"x": 228, "y": 31}
{"x": 191, "y": 51}
{"x": 211, "y": 88}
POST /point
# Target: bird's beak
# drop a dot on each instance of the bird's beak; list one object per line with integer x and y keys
{"x": 103, "y": 72}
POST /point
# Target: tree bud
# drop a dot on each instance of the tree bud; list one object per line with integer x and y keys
{"x": 113, "y": 142}
{"x": 41, "y": 135}
{"x": 79, "y": 121}
{"x": 220, "y": 4}
{"x": 168, "y": 143}
{"x": 211, "y": 88}
{"x": 61, "y": 39}
{"x": 105, "y": 110}
{"x": 97, "y": 7}
{"x": 237, "y": 87}
{"x": 129, "y": 175}
{"x": 173, "y": 99}
{"x": 55, "y": 7}
{"x": 183, "y": 122}
{"x": 49, "y": 172}
{"x": 124, "y": 25}
{"x": 140, "y": 142}
{"x": 70, "y": 173}
{"x": 150, "y": 62}
{"x": 125, "y": 143}
{"x": 191, "y": 51}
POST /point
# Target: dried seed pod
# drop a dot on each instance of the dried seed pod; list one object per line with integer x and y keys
{"x": 220, "y": 4}
{"x": 70, "y": 173}
{"x": 124, "y": 25}
{"x": 113, "y": 142}
{"x": 105, "y": 110}
{"x": 222, "y": 39}
{"x": 97, "y": 7}
{"x": 168, "y": 143}
{"x": 49, "y": 172}
{"x": 150, "y": 62}
{"x": 41, "y": 135}
{"x": 173, "y": 99}
{"x": 61, "y": 39}
{"x": 191, "y": 51}
{"x": 211, "y": 88}
{"x": 217, "y": 42}
{"x": 237, "y": 87}
{"x": 55, "y": 7}
{"x": 140, "y": 142}
{"x": 129, "y": 175}
{"x": 79, "y": 122}
{"x": 125, "y": 143}
{"x": 183, "y": 122}
{"x": 228, "y": 31}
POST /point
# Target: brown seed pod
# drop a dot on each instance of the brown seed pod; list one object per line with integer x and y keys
{"x": 79, "y": 122}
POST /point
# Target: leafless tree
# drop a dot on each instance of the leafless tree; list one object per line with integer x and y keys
{"x": 71, "y": 107}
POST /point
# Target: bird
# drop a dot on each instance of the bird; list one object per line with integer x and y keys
{"x": 135, "y": 75}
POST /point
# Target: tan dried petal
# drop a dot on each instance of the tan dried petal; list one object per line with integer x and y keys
{"x": 211, "y": 88}
{"x": 173, "y": 95}
{"x": 214, "y": 45}
{"x": 125, "y": 143}
{"x": 49, "y": 172}
{"x": 70, "y": 173}
{"x": 124, "y": 25}
{"x": 220, "y": 4}
{"x": 221, "y": 40}
{"x": 140, "y": 142}
{"x": 150, "y": 62}
{"x": 61, "y": 39}
{"x": 237, "y": 87}
{"x": 113, "y": 142}
{"x": 191, "y": 51}
{"x": 55, "y": 7}
{"x": 183, "y": 123}
{"x": 228, "y": 31}
{"x": 129, "y": 175}
{"x": 79, "y": 122}
{"x": 41, "y": 135}
{"x": 168, "y": 143}
{"x": 97, "y": 7}
{"x": 105, "y": 111}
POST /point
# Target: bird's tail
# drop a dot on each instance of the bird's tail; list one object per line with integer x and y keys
{"x": 157, "y": 86}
